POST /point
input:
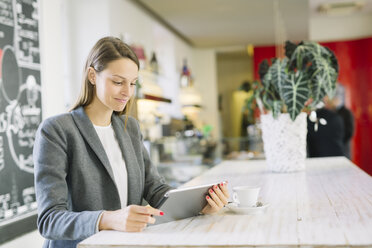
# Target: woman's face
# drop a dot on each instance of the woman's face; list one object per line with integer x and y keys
{"x": 116, "y": 84}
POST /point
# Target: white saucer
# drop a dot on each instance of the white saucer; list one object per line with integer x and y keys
{"x": 247, "y": 210}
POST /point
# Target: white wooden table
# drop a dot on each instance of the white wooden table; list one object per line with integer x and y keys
{"x": 329, "y": 204}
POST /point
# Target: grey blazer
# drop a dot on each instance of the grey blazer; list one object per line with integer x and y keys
{"x": 74, "y": 181}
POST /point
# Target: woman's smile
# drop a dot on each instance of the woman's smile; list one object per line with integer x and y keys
{"x": 123, "y": 101}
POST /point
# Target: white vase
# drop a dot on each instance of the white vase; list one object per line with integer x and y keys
{"x": 284, "y": 142}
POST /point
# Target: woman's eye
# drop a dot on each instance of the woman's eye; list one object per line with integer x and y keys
{"x": 118, "y": 83}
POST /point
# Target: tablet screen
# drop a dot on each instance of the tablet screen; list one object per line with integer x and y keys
{"x": 182, "y": 203}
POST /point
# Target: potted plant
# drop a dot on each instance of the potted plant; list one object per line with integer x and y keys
{"x": 290, "y": 88}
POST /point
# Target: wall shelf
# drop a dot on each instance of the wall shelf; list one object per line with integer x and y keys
{"x": 156, "y": 98}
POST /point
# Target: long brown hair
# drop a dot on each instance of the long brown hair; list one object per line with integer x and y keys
{"x": 104, "y": 51}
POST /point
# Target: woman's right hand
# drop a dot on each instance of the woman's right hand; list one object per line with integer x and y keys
{"x": 133, "y": 218}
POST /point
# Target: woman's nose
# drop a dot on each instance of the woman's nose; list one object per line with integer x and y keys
{"x": 125, "y": 89}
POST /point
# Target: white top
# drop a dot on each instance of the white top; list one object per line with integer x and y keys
{"x": 115, "y": 156}
{"x": 329, "y": 204}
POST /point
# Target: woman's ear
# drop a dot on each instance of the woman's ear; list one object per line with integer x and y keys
{"x": 92, "y": 75}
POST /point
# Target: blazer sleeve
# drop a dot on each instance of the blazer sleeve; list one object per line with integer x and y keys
{"x": 55, "y": 220}
{"x": 155, "y": 186}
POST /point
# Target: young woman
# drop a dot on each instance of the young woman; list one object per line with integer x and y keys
{"x": 91, "y": 168}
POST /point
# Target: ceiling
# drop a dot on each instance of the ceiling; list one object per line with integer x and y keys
{"x": 229, "y": 23}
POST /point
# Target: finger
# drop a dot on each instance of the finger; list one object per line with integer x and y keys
{"x": 147, "y": 210}
{"x": 215, "y": 198}
{"x": 135, "y": 224}
{"x": 154, "y": 211}
{"x": 224, "y": 189}
{"x": 136, "y": 209}
{"x": 211, "y": 203}
{"x": 144, "y": 218}
{"x": 220, "y": 195}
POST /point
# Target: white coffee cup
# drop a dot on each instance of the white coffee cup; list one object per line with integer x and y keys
{"x": 246, "y": 196}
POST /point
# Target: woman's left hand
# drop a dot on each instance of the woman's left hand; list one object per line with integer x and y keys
{"x": 217, "y": 198}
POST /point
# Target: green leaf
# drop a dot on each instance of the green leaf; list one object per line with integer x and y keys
{"x": 266, "y": 102}
{"x": 277, "y": 107}
{"x": 333, "y": 59}
{"x": 323, "y": 79}
{"x": 318, "y": 50}
{"x": 320, "y": 65}
{"x": 289, "y": 48}
{"x": 277, "y": 74}
{"x": 295, "y": 93}
{"x": 267, "y": 80}
{"x": 300, "y": 57}
{"x": 310, "y": 72}
{"x": 317, "y": 91}
{"x": 262, "y": 69}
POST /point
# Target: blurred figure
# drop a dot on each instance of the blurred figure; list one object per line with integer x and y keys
{"x": 325, "y": 135}
{"x": 347, "y": 118}
{"x": 331, "y": 132}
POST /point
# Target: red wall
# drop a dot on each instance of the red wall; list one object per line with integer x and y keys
{"x": 355, "y": 61}
{"x": 261, "y": 53}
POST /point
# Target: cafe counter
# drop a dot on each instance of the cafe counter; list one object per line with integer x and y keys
{"x": 327, "y": 205}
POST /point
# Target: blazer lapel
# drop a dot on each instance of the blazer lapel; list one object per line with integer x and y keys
{"x": 90, "y": 135}
{"x": 130, "y": 159}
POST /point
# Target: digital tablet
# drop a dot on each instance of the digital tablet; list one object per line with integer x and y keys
{"x": 182, "y": 203}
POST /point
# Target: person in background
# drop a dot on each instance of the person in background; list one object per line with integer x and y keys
{"x": 92, "y": 170}
{"x": 338, "y": 103}
{"x": 332, "y": 138}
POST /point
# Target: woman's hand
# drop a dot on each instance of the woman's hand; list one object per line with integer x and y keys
{"x": 133, "y": 218}
{"x": 217, "y": 198}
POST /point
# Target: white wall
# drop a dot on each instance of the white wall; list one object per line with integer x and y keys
{"x": 206, "y": 83}
{"x": 51, "y": 38}
{"x": 68, "y": 29}
{"x": 85, "y": 22}
{"x": 328, "y": 28}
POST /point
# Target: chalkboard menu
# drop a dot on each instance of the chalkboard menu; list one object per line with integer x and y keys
{"x": 20, "y": 114}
